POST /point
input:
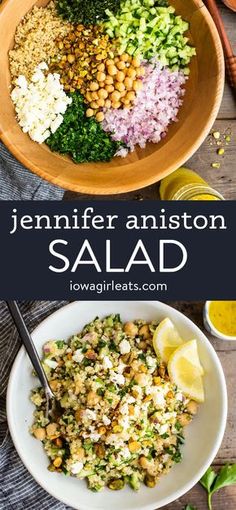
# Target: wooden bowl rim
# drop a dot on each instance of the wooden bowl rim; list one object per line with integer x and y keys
{"x": 145, "y": 181}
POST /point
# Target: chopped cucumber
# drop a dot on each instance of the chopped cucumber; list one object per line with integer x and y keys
{"x": 150, "y": 28}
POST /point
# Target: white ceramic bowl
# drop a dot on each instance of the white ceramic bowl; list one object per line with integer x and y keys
{"x": 203, "y": 436}
{"x": 210, "y": 326}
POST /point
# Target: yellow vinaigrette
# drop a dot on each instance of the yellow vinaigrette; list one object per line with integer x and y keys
{"x": 222, "y": 314}
{"x": 185, "y": 184}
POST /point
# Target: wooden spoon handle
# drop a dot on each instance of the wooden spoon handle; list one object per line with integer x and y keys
{"x": 230, "y": 58}
{"x": 231, "y": 70}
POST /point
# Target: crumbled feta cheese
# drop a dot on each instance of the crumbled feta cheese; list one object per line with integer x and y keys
{"x": 130, "y": 399}
{"x": 107, "y": 362}
{"x": 106, "y": 420}
{"x": 124, "y": 422}
{"x": 50, "y": 363}
{"x": 95, "y": 437}
{"x": 125, "y": 347}
{"x": 124, "y": 409}
{"x": 40, "y": 103}
{"x": 125, "y": 453}
{"x": 78, "y": 356}
{"x": 76, "y": 468}
{"x": 157, "y": 393}
{"x": 118, "y": 379}
{"x": 179, "y": 396}
{"x": 91, "y": 415}
{"x": 151, "y": 363}
{"x": 163, "y": 429}
{"x": 120, "y": 368}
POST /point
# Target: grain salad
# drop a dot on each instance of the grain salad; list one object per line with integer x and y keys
{"x": 35, "y": 40}
{"x": 121, "y": 419}
{"x": 124, "y": 65}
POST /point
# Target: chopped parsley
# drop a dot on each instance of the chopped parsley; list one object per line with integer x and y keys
{"x": 81, "y": 137}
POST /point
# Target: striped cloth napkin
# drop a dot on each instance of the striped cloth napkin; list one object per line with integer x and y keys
{"x": 18, "y": 183}
{"x": 18, "y": 490}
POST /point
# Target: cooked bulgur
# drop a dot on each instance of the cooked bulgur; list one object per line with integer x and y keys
{"x": 35, "y": 40}
{"x": 121, "y": 419}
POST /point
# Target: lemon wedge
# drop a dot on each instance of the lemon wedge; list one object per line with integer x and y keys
{"x": 166, "y": 339}
{"x": 186, "y": 371}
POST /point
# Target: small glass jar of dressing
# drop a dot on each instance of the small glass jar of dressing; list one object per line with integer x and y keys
{"x": 185, "y": 184}
{"x": 220, "y": 319}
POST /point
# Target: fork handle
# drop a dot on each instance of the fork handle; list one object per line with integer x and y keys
{"x": 28, "y": 344}
{"x": 230, "y": 58}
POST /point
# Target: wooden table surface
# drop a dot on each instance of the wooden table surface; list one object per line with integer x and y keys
{"x": 222, "y": 179}
{"x": 225, "y": 498}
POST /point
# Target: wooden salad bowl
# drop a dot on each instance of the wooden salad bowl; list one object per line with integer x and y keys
{"x": 144, "y": 166}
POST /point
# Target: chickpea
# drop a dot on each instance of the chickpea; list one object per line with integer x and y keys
{"x": 101, "y": 67}
{"x": 40, "y": 434}
{"x": 92, "y": 397}
{"x": 102, "y": 94}
{"x": 112, "y": 70}
{"x": 140, "y": 71}
{"x": 144, "y": 330}
{"x": 108, "y": 103}
{"x": 192, "y": 407}
{"x": 131, "y": 73}
{"x": 119, "y": 86}
{"x": 101, "y": 103}
{"x": 141, "y": 379}
{"x": 184, "y": 419}
{"x": 131, "y": 329}
{"x": 109, "y": 80}
{"x": 101, "y": 76}
{"x": 120, "y": 76}
{"x": 116, "y": 59}
{"x": 128, "y": 83}
{"x": 123, "y": 93}
{"x": 110, "y": 88}
{"x": 116, "y": 105}
{"x": 89, "y": 112}
{"x": 94, "y": 96}
{"x": 94, "y": 86}
{"x": 121, "y": 65}
{"x": 137, "y": 85}
{"x": 54, "y": 385}
{"x": 110, "y": 62}
{"x": 124, "y": 57}
{"x": 115, "y": 96}
{"x": 134, "y": 446}
{"x": 51, "y": 429}
{"x": 71, "y": 59}
{"x": 144, "y": 463}
{"x": 102, "y": 84}
{"x": 94, "y": 105}
{"x": 136, "y": 62}
{"x": 89, "y": 97}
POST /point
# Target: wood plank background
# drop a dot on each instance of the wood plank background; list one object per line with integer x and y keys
{"x": 224, "y": 178}
{"x": 225, "y": 498}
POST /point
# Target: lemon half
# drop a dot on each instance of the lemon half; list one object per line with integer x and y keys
{"x": 166, "y": 339}
{"x": 186, "y": 371}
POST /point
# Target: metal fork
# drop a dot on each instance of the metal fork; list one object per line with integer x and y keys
{"x": 33, "y": 355}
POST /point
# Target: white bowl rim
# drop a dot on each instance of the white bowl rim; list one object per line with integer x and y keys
{"x": 213, "y": 329}
{"x": 168, "y": 499}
